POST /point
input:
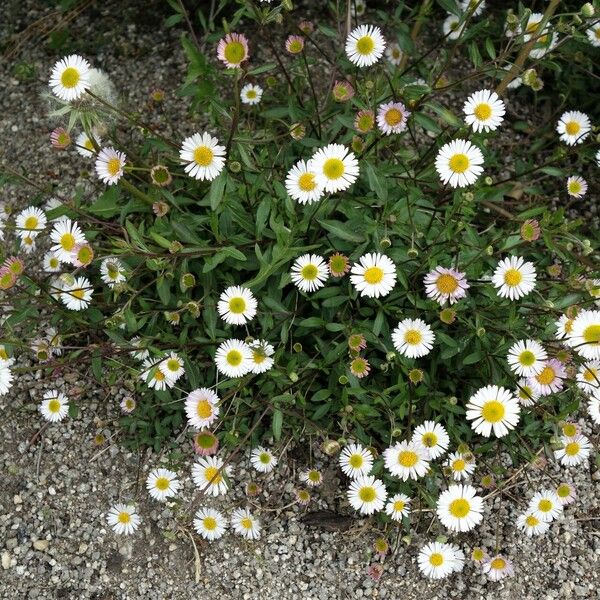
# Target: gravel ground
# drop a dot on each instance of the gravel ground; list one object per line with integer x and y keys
{"x": 59, "y": 483}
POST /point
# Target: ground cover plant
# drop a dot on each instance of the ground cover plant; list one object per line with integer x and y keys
{"x": 361, "y": 238}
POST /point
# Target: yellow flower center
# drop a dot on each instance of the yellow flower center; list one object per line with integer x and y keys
{"x": 493, "y": 411}
{"x": 512, "y": 277}
{"x": 436, "y": 559}
{"x": 237, "y": 305}
{"x": 251, "y": 94}
{"x": 159, "y": 375}
{"x": 333, "y": 168}
{"x": 569, "y": 429}
{"x": 306, "y": 182}
{"x": 209, "y": 523}
{"x": 246, "y": 523}
{"x": 429, "y": 439}
{"x": 545, "y": 505}
{"x": 79, "y": 293}
{"x": 365, "y": 45}
{"x": 413, "y": 337}
{"x": 212, "y": 475}
{"x": 399, "y": 505}
{"x": 591, "y": 334}
{"x": 408, "y": 458}
{"x": 70, "y": 77}
{"x": 234, "y": 52}
{"x": 590, "y": 374}
{"x": 483, "y": 111}
{"x": 203, "y": 156}
{"x": 393, "y": 116}
{"x": 563, "y": 491}
{"x": 546, "y": 376}
{"x": 162, "y": 484}
{"x": 532, "y": 521}
{"x": 459, "y": 508}
{"x": 459, "y": 163}
{"x": 113, "y": 166}
{"x": 31, "y": 223}
{"x": 446, "y": 284}
{"x": 309, "y": 272}
{"x": 498, "y": 564}
{"x": 234, "y": 358}
{"x": 527, "y": 358}
{"x": 367, "y": 494}
{"x": 85, "y": 255}
{"x": 54, "y": 405}
{"x": 67, "y": 241}
{"x": 459, "y": 464}
{"x": 373, "y": 275}
{"x": 574, "y": 187}
{"x": 173, "y": 364}
{"x": 124, "y": 517}
{"x": 572, "y": 449}
{"x": 88, "y": 144}
{"x": 264, "y": 458}
{"x": 572, "y": 127}
{"x": 356, "y": 461}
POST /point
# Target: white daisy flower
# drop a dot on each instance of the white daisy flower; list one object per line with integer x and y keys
{"x": 141, "y": 353}
{"x": 30, "y": 222}
{"x": 459, "y": 163}
{"x": 210, "y": 523}
{"x": 234, "y": 358}
{"x": 237, "y": 305}
{"x": 374, "y": 275}
{"x": 484, "y": 111}
{"x": 566, "y": 494}
{"x": 356, "y": 461}
{"x": 576, "y": 186}
{"x": 459, "y": 508}
{"x": 398, "y": 507}
{"x": 263, "y": 460}
{"x": 432, "y": 436}
{"x": 392, "y": 117}
{"x": 335, "y": 168}
{"x": 311, "y": 477}
{"x": 573, "y": 127}
{"x": 367, "y": 494}
{"x": 85, "y": 146}
{"x": 201, "y": 408}
{"x": 527, "y": 357}
{"x": 66, "y": 234}
{"x": 531, "y": 525}
{"x": 153, "y": 377}
{"x": 172, "y": 366}
{"x": 588, "y": 377}
{"x": 461, "y": 468}
{"x": 452, "y": 27}
{"x": 438, "y": 560}
{"x": 593, "y": 34}
{"x": 70, "y": 77}
{"x": 526, "y": 394}
{"x": 245, "y": 524}
{"x": 302, "y": 185}
{"x": 54, "y": 406}
{"x": 445, "y": 285}
{"x": 309, "y": 272}
{"x": 564, "y": 327}
{"x": 545, "y": 506}
{"x": 413, "y": 338}
{"x": 493, "y": 408}
{"x": 109, "y": 165}
{"x": 6, "y": 377}
{"x": 514, "y": 278}
{"x": 78, "y": 295}
{"x": 209, "y": 474}
{"x": 476, "y": 6}
{"x": 407, "y": 460}
{"x": 497, "y": 567}
{"x": 112, "y": 272}
{"x": 162, "y": 484}
{"x": 394, "y": 54}
{"x": 123, "y": 518}
{"x": 549, "y": 379}
{"x": 251, "y": 94}
{"x": 203, "y": 155}
{"x": 585, "y": 334}
{"x": 365, "y": 45}
{"x": 262, "y": 356}
{"x": 575, "y": 450}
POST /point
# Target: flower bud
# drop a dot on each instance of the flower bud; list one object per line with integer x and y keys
{"x": 297, "y": 347}
{"x": 175, "y": 247}
{"x": 343, "y": 380}
{"x": 187, "y": 282}
{"x": 587, "y": 10}
{"x": 235, "y": 166}
{"x": 293, "y": 377}
{"x": 412, "y": 252}
{"x": 330, "y": 447}
{"x": 385, "y": 243}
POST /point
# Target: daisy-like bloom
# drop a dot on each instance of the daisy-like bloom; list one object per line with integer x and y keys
{"x": 6, "y": 377}
{"x": 360, "y": 6}
{"x": 27, "y": 244}
{"x": 527, "y": 357}
{"x": 335, "y": 168}
{"x": 109, "y": 165}
{"x": 245, "y": 524}
{"x": 593, "y": 34}
{"x": 123, "y": 518}
{"x": 54, "y": 406}
{"x": 365, "y": 45}
{"x": 7, "y": 278}
{"x": 573, "y": 127}
{"x": 566, "y": 493}
{"x": 588, "y": 377}
{"x": 360, "y": 367}
{"x": 66, "y": 234}
{"x": 356, "y": 461}
{"x": 294, "y": 44}
{"x": 367, "y": 494}
{"x": 142, "y": 353}
{"x": 338, "y": 264}
{"x": 301, "y": 184}
{"x": 575, "y": 450}
{"x": 459, "y": 508}
{"x": 570, "y": 429}
{"x": 364, "y": 121}
{"x": 78, "y": 295}
{"x": 460, "y": 467}
{"x": 452, "y": 28}
{"x": 30, "y": 222}
{"x": 208, "y": 475}
{"x": 342, "y": 91}
{"x": 82, "y": 255}
{"x": 128, "y": 405}
{"x": 479, "y": 556}
{"x": 374, "y": 275}
{"x": 459, "y": 163}
{"x": 311, "y": 477}
{"x": 531, "y": 525}
{"x": 263, "y": 460}
{"x": 476, "y": 6}
{"x": 484, "y": 111}
{"x": 545, "y": 506}
{"x": 357, "y": 342}
{"x": 493, "y": 408}
{"x": 437, "y": 560}
{"x": 162, "y": 484}
{"x": 232, "y": 50}
{"x": 397, "y": 507}
{"x": 498, "y": 567}
{"x": 576, "y": 186}
{"x": 302, "y": 497}
{"x": 237, "y": 305}
{"x": 514, "y": 278}
{"x": 70, "y": 77}
{"x": 585, "y": 334}
{"x": 549, "y": 379}
{"x": 394, "y": 54}
{"x": 203, "y": 155}
{"x": 202, "y": 408}
{"x": 210, "y": 523}
{"x": 205, "y": 443}
{"x": 112, "y": 272}
{"x": 445, "y": 285}
{"x": 262, "y": 356}
{"x": 392, "y": 117}
{"x": 413, "y": 338}
{"x": 407, "y": 460}
{"x": 172, "y": 367}
{"x": 433, "y": 436}
{"x": 84, "y": 145}
{"x": 234, "y": 358}
{"x": 60, "y": 138}
{"x": 526, "y": 394}
{"x": 251, "y": 94}
{"x": 153, "y": 377}
{"x": 309, "y": 272}
{"x": 564, "y": 327}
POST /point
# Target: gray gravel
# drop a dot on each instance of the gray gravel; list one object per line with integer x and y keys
{"x": 58, "y": 484}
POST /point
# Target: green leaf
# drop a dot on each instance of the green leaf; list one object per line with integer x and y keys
{"x": 106, "y": 205}
{"x": 341, "y": 231}
{"x": 217, "y": 189}
{"x": 277, "y": 423}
